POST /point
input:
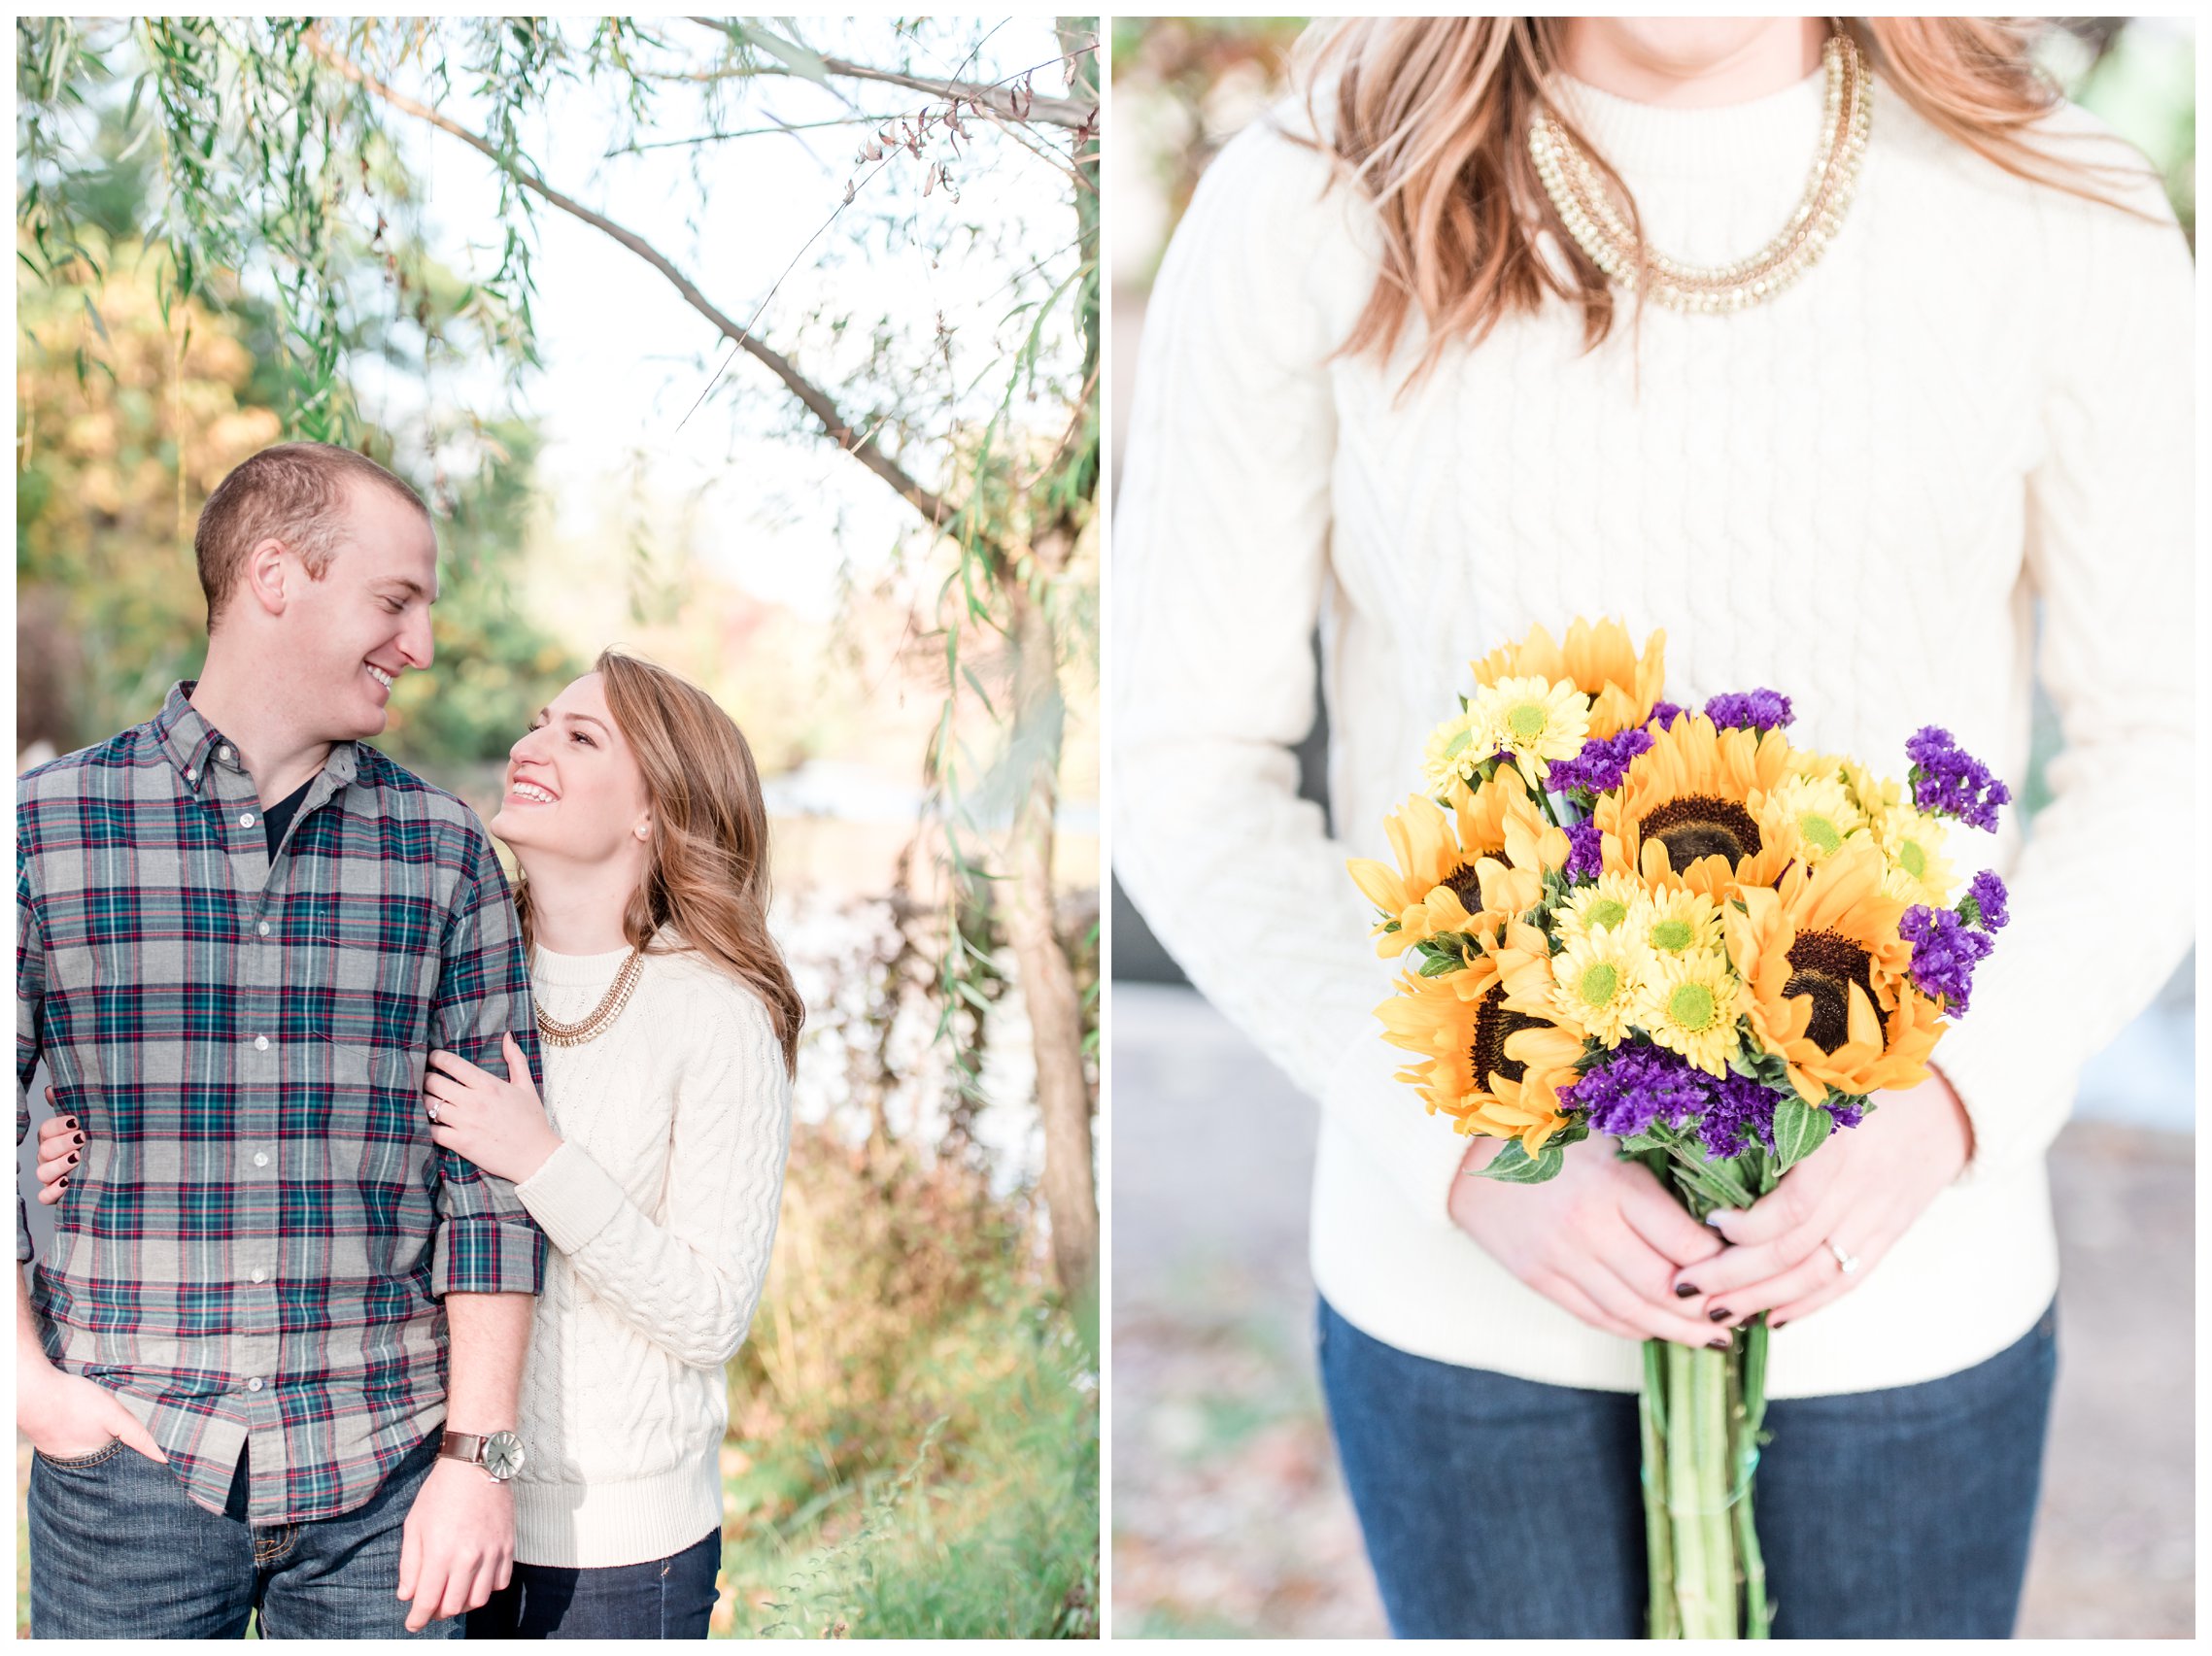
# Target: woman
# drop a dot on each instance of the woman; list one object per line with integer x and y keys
{"x": 1386, "y": 387}
{"x": 668, "y": 1026}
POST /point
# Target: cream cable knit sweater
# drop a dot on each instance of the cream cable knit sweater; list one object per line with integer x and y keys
{"x": 1857, "y": 495}
{"x": 661, "y": 1206}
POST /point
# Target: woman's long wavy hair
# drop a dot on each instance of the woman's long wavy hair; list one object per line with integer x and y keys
{"x": 706, "y": 871}
{"x": 1430, "y": 117}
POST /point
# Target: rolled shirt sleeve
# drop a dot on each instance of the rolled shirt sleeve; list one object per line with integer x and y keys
{"x": 487, "y": 1243}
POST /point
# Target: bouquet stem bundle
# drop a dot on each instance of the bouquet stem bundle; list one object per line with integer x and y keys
{"x": 1702, "y": 1414}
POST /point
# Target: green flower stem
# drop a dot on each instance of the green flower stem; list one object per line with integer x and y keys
{"x": 1688, "y": 1485}
{"x": 1749, "y": 1415}
{"x": 1715, "y": 1483}
{"x": 1658, "y": 1533}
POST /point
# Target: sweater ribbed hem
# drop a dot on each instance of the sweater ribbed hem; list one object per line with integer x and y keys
{"x": 601, "y": 1524}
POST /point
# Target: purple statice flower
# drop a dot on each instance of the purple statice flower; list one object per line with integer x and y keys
{"x": 1848, "y": 1115}
{"x": 1585, "y": 859}
{"x": 1741, "y": 1110}
{"x": 1749, "y": 710}
{"x": 1986, "y": 894}
{"x": 1663, "y": 714}
{"x": 1948, "y": 781}
{"x": 1639, "y": 1085}
{"x": 1601, "y": 764}
{"x": 1946, "y": 950}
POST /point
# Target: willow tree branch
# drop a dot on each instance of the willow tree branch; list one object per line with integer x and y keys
{"x": 860, "y": 444}
{"x": 999, "y": 99}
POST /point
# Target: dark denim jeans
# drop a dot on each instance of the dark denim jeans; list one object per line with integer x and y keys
{"x": 667, "y": 1598}
{"x": 119, "y": 1551}
{"x": 1500, "y": 1508}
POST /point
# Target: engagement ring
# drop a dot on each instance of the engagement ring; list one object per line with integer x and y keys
{"x": 1847, "y": 1261}
{"x": 431, "y": 1110}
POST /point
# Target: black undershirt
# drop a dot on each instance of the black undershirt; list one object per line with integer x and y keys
{"x": 278, "y": 817}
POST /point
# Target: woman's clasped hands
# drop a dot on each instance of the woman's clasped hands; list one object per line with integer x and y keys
{"x": 1608, "y": 1243}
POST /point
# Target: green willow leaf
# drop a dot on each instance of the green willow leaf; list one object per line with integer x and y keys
{"x": 1513, "y": 1165}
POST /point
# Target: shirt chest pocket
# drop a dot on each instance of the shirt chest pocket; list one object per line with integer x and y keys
{"x": 369, "y": 974}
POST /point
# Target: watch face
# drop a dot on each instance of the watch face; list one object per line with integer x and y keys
{"x": 504, "y": 1455}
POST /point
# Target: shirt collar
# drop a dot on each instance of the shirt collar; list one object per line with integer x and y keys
{"x": 194, "y": 745}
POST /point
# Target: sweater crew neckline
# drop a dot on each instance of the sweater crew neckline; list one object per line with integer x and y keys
{"x": 1715, "y": 142}
{"x": 576, "y": 970}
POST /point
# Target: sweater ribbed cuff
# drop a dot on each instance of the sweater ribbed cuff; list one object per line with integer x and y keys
{"x": 571, "y": 1198}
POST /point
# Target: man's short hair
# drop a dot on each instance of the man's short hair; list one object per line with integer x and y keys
{"x": 294, "y": 492}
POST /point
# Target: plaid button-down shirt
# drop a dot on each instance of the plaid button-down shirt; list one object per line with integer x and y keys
{"x": 254, "y": 1249}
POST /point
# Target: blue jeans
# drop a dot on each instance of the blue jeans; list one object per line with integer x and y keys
{"x": 667, "y": 1598}
{"x": 1500, "y": 1508}
{"x": 119, "y": 1551}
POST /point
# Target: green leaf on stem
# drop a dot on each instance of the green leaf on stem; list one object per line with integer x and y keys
{"x": 1512, "y": 1166}
{"x": 1799, "y": 1128}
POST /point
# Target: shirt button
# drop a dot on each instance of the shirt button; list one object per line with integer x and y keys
{"x": 260, "y": 1276}
{"x": 246, "y": 820}
{"x": 260, "y": 1159}
{"x": 191, "y": 776}
{"x": 261, "y": 1043}
{"x": 263, "y": 928}
{"x": 229, "y": 754}
{"x": 255, "y": 1384}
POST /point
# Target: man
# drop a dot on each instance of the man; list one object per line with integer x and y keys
{"x": 240, "y": 932}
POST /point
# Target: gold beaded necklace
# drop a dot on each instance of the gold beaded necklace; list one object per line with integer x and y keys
{"x": 1595, "y": 222}
{"x": 601, "y": 1016}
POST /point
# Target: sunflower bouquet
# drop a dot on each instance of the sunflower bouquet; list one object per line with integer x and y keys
{"x": 1672, "y": 929}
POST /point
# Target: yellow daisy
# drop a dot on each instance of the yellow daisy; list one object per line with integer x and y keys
{"x": 1670, "y": 924}
{"x": 1595, "y": 982}
{"x": 1609, "y": 903}
{"x": 1689, "y": 1004}
{"x": 1818, "y": 808}
{"x": 1600, "y": 662}
{"x": 1535, "y": 720}
{"x": 1452, "y": 751}
{"x": 1913, "y": 845}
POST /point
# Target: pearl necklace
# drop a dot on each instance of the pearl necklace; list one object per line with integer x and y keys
{"x": 1596, "y": 223}
{"x": 601, "y": 1016}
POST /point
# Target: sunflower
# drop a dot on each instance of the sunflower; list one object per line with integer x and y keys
{"x": 1913, "y": 843}
{"x": 1533, "y": 848}
{"x": 1671, "y": 923}
{"x": 1533, "y": 719}
{"x": 1600, "y": 662}
{"x": 1824, "y": 978}
{"x": 1434, "y": 889}
{"x": 1461, "y": 1027}
{"x": 1819, "y": 808}
{"x": 1595, "y": 982}
{"x": 1682, "y": 817}
{"x": 1689, "y": 1004}
{"x": 1607, "y": 903}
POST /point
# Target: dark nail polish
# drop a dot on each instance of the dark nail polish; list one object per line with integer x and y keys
{"x": 1685, "y": 1291}
{"x": 69, "y": 1120}
{"x": 1722, "y": 1344}
{"x": 73, "y": 1158}
{"x": 1778, "y": 1325}
{"x": 78, "y": 1139}
{"x": 65, "y": 1181}
{"x": 1719, "y": 1314}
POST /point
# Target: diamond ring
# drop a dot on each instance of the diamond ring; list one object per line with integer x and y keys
{"x": 431, "y": 1110}
{"x": 1849, "y": 1262}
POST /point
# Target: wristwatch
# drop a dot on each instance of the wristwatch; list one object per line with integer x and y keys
{"x": 500, "y": 1454}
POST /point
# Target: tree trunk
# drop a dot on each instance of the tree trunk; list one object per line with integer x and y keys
{"x": 1048, "y": 982}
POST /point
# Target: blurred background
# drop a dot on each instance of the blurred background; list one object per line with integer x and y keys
{"x": 1229, "y": 1515}
{"x": 843, "y": 477}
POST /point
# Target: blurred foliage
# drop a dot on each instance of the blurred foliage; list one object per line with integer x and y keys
{"x": 132, "y": 403}
{"x": 914, "y": 1422}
